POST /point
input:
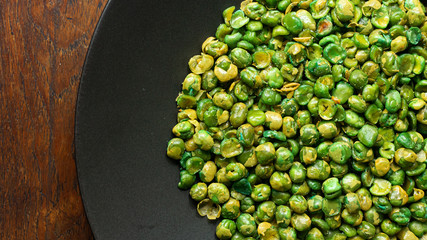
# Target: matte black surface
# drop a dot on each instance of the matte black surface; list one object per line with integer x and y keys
{"x": 125, "y": 112}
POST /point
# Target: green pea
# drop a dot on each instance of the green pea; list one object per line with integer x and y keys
{"x": 270, "y": 97}
{"x": 342, "y": 92}
{"x": 280, "y": 198}
{"x": 319, "y": 170}
{"x": 256, "y": 117}
{"x": 351, "y": 182}
{"x": 368, "y": 135}
{"x": 292, "y": 23}
{"x": 327, "y": 108}
{"x": 357, "y": 104}
{"x": 358, "y": 79}
{"x": 309, "y": 135}
{"x": 226, "y": 229}
{"x": 289, "y": 106}
{"x": 339, "y": 152}
{"x": 297, "y": 173}
{"x": 331, "y": 207}
{"x": 331, "y": 187}
{"x": 381, "y": 187}
{"x": 246, "y": 224}
{"x": 261, "y": 192}
{"x": 301, "y": 222}
{"x": 186, "y": 180}
{"x": 334, "y": 53}
{"x": 266, "y": 211}
{"x": 298, "y": 204}
{"x": 231, "y": 147}
{"x": 366, "y": 230}
{"x": 284, "y": 159}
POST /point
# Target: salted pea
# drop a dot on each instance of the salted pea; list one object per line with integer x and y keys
{"x": 331, "y": 188}
{"x": 382, "y": 205}
{"x": 225, "y": 229}
{"x": 342, "y": 92}
{"x": 319, "y": 170}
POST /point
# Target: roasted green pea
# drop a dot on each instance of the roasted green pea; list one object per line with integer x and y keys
{"x": 301, "y": 222}
{"x": 331, "y": 188}
{"x": 342, "y": 92}
{"x": 309, "y": 135}
{"x": 358, "y": 79}
{"x": 246, "y": 224}
{"x": 351, "y": 182}
{"x": 366, "y": 230}
{"x": 280, "y": 181}
{"x": 256, "y": 117}
{"x": 319, "y": 170}
{"x": 186, "y": 180}
{"x": 226, "y": 229}
{"x": 261, "y": 192}
{"x": 270, "y": 97}
{"x": 339, "y": 152}
{"x": 247, "y": 205}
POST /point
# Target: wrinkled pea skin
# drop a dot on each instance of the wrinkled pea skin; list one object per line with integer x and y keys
{"x": 307, "y": 119}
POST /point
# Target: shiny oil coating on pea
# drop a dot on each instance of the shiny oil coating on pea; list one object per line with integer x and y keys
{"x": 307, "y": 119}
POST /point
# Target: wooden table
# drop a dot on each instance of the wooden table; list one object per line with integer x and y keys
{"x": 43, "y": 46}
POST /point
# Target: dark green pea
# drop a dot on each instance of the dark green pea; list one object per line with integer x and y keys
{"x": 230, "y": 209}
{"x": 261, "y": 192}
{"x": 265, "y": 211}
{"x": 280, "y": 181}
{"x": 297, "y": 172}
{"x": 382, "y": 205}
{"x": 184, "y": 130}
{"x": 418, "y": 228}
{"x": 380, "y": 38}
{"x": 400, "y": 216}
{"x": 223, "y": 100}
{"x": 309, "y": 135}
{"x": 319, "y": 67}
{"x": 289, "y": 106}
{"x": 375, "y": 53}
{"x": 319, "y": 170}
{"x": 186, "y": 180}
{"x": 301, "y": 222}
{"x": 314, "y": 185}
{"x": 342, "y": 92}
{"x": 280, "y": 198}
{"x": 176, "y": 148}
{"x": 270, "y": 97}
{"x": 284, "y": 159}
{"x": 339, "y": 152}
{"x": 246, "y": 135}
{"x": 296, "y": 52}
{"x": 419, "y": 211}
{"x": 368, "y": 135}
{"x": 351, "y": 202}
{"x": 303, "y": 118}
{"x": 242, "y": 186}
{"x": 390, "y": 228}
{"x": 366, "y": 230}
{"x": 240, "y": 57}
{"x": 353, "y": 219}
{"x": 288, "y": 233}
{"x": 338, "y": 170}
{"x": 315, "y": 203}
{"x": 186, "y": 101}
{"x": 226, "y": 229}
{"x": 283, "y": 216}
{"x": 358, "y": 79}
{"x": 331, "y": 207}
{"x": 421, "y": 180}
{"x": 351, "y": 182}
{"x": 390, "y": 63}
{"x": 247, "y": 205}
{"x": 298, "y": 204}
{"x": 280, "y": 136}
{"x": 222, "y": 31}
{"x": 331, "y": 187}
{"x": 348, "y": 230}
{"x": 357, "y": 104}
{"x": 250, "y": 76}
{"x": 327, "y": 108}
{"x": 265, "y": 153}
{"x": 202, "y": 106}
{"x": 334, "y": 53}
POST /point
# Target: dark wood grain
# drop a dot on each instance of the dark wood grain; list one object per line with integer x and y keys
{"x": 43, "y": 46}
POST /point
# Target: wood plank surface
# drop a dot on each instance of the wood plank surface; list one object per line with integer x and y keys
{"x": 43, "y": 46}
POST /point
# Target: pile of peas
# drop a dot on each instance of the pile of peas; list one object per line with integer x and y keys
{"x": 306, "y": 119}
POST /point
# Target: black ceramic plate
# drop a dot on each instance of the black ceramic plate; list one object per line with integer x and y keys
{"x": 125, "y": 112}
